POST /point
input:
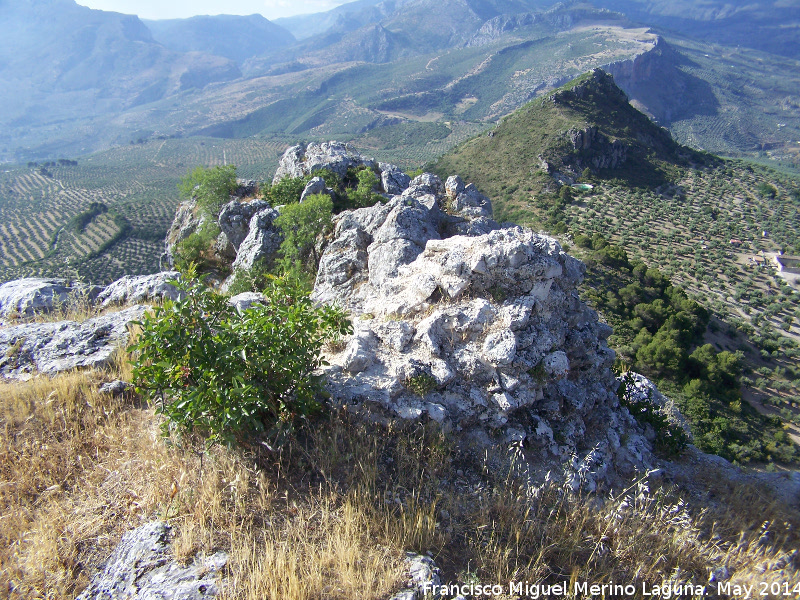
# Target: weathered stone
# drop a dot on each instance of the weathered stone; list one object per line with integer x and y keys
{"x": 262, "y": 242}
{"x": 234, "y": 219}
{"x": 299, "y": 161}
{"x": 486, "y": 312}
{"x": 142, "y": 568}
{"x": 471, "y": 203}
{"x": 556, "y": 364}
{"x": 454, "y": 186}
{"x": 241, "y": 302}
{"x": 500, "y": 348}
{"x": 183, "y": 225}
{"x": 423, "y": 575}
{"x": 26, "y": 297}
{"x": 115, "y": 388}
{"x": 245, "y": 188}
{"x": 315, "y": 186}
{"x": 395, "y": 334}
{"x": 50, "y": 348}
{"x": 393, "y": 179}
{"x": 135, "y": 289}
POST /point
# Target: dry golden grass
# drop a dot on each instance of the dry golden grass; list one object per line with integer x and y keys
{"x": 331, "y": 514}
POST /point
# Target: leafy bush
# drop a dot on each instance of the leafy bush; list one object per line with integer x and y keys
{"x": 210, "y": 187}
{"x": 222, "y": 373}
{"x": 287, "y": 191}
{"x": 193, "y": 247}
{"x": 301, "y": 223}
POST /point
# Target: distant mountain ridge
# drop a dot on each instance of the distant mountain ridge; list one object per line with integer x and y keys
{"x": 231, "y": 36}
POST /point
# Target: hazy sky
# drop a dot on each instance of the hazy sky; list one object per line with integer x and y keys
{"x": 175, "y": 9}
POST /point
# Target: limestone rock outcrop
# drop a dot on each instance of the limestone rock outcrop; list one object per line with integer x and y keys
{"x": 34, "y": 295}
{"x": 184, "y": 224}
{"x": 393, "y": 180}
{"x": 299, "y": 161}
{"x": 483, "y": 333}
{"x": 140, "y": 288}
{"x": 142, "y": 568}
{"x": 262, "y": 241}
{"x": 50, "y": 348}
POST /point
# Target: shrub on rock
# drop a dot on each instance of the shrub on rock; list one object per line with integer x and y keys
{"x": 221, "y": 372}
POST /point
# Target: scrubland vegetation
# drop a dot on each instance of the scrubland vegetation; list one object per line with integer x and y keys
{"x": 331, "y": 513}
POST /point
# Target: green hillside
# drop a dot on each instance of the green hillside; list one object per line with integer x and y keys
{"x": 664, "y": 214}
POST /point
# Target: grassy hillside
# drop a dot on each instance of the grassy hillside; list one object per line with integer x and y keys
{"x": 708, "y": 225}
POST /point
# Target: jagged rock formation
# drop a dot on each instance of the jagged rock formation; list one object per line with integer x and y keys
{"x": 483, "y": 333}
{"x": 184, "y": 224}
{"x": 299, "y": 161}
{"x": 234, "y": 219}
{"x": 53, "y": 347}
{"x": 262, "y": 241}
{"x": 142, "y": 568}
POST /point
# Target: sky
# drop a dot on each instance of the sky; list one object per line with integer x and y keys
{"x": 177, "y": 9}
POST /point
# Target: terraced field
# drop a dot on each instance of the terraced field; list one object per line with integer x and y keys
{"x": 136, "y": 184}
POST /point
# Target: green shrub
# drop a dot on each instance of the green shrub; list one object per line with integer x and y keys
{"x": 301, "y": 223}
{"x": 210, "y": 187}
{"x": 287, "y": 191}
{"x": 195, "y": 247}
{"x": 670, "y": 439}
{"x": 420, "y": 384}
{"x": 222, "y": 373}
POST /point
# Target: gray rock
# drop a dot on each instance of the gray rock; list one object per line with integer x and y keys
{"x": 26, "y": 297}
{"x": 395, "y": 334}
{"x": 478, "y": 316}
{"x": 471, "y": 203}
{"x": 141, "y": 568}
{"x": 115, "y": 388}
{"x": 50, "y": 348}
{"x": 393, "y": 180}
{"x": 315, "y": 186}
{"x": 426, "y": 183}
{"x": 245, "y": 188}
{"x": 135, "y": 289}
{"x": 183, "y": 225}
{"x": 500, "y": 348}
{"x": 556, "y": 364}
{"x": 299, "y": 161}
{"x": 400, "y": 239}
{"x": 241, "y": 302}
{"x": 423, "y": 574}
{"x": 454, "y": 186}
{"x": 262, "y": 242}
{"x": 234, "y": 219}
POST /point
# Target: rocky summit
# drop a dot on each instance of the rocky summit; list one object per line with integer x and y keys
{"x": 477, "y": 327}
{"x": 457, "y": 319}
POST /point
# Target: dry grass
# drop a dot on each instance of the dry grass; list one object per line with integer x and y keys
{"x": 330, "y": 515}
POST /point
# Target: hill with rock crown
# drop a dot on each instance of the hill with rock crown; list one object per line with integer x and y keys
{"x": 457, "y": 320}
{"x": 585, "y": 124}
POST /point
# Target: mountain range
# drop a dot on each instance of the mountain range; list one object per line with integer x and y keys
{"x": 722, "y": 77}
